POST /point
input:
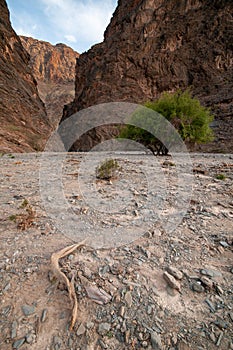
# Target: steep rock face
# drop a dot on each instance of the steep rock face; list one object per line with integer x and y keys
{"x": 152, "y": 46}
{"x": 53, "y": 67}
{"x": 24, "y": 123}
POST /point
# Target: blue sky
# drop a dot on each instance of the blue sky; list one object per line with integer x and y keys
{"x": 77, "y": 23}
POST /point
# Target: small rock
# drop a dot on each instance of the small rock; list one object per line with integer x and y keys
{"x": 231, "y": 316}
{"x": 44, "y": 315}
{"x": 211, "y": 273}
{"x": 207, "y": 282}
{"x": 224, "y": 244}
{"x": 156, "y": 341}
{"x": 212, "y": 337}
{"x": 18, "y": 343}
{"x": 122, "y": 311}
{"x": 221, "y": 324}
{"x": 81, "y": 330}
{"x": 183, "y": 346}
{"x": 175, "y": 272}
{"x": 90, "y": 325}
{"x": 219, "y": 289}
{"x": 30, "y": 338}
{"x": 57, "y": 343}
{"x": 197, "y": 287}
{"x": 219, "y": 339}
{"x": 14, "y": 329}
{"x": 128, "y": 299}
{"x": 102, "y": 344}
{"x": 127, "y": 336}
{"x": 172, "y": 282}
{"x": 28, "y": 310}
{"x": 211, "y": 305}
{"x": 104, "y": 328}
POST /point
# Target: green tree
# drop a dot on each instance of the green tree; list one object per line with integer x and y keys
{"x": 184, "y": 112}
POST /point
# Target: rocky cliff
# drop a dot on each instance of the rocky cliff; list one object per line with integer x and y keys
{"x": 152, "y": 46}
{"x": 24, "y": 123}
{"x": 53, "y": 67}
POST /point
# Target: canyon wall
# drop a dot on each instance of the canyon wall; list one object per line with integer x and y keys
{"x": 24, "y": 123}
{"x": 151, "y": 46}
{"x": 53, "y": 67}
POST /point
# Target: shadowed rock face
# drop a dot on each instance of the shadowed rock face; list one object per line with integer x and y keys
{"x": 24, "y": 123}
{"x": 53, "y": 67}
{"x": 152, "y": 46}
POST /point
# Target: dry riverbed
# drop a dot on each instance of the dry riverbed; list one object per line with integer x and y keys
{"x": 150, "y": 289}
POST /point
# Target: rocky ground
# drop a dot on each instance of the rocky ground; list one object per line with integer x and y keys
{"x": 157, "y": 289}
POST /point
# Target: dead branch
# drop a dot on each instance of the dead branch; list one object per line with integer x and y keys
{"x": 61, "y": 277}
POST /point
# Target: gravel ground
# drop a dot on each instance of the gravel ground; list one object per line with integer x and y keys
{"x": 156, "y": 271}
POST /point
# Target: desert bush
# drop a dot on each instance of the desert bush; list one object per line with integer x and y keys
{"x": 107, "y": 169}
{"x": 184, "y": 112}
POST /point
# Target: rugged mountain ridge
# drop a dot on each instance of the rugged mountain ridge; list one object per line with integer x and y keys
{"x": 24, "y": 123}
{"x": 53, "y": 67}
{"x": 151, "y": 46}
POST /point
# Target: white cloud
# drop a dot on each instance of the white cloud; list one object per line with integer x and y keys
{"x": 70, "y": 38}
{"x": 83, "y": 21}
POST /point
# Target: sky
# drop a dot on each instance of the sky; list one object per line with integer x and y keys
{"x": 76, "y": 23}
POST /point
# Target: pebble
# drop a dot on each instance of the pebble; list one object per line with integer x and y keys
{"x": 210, "y": 273}
{"x": 104, "y": 328}
{"x": 18, "y": 343}
{"x": 224, "y": 244}
{"x": 221, "y": 324}
{"x": 219, "y": 339}
{"x": 28, "y": 310}
{"x": 197, "y": 287}
{"x": 172, "y": 282}
{"x": 212, "y": 337}
{"x": 122, "y": 311}
{"x": 156, "y": 341}
{"x": 175, "y": 272}
{"x": 211, "y": 306}
{"x": 30, "y": 338}
{"x": 14, "y": 329}
{"x": 219, "y": 289}
{"x": 102, "y": 344}
{"x": 231, "y": 316}
{"x": 57, "y": 343}
{"x": 44, "y": 315}
{"x": 90, "y": 325}
{"x": 81, "y": 330}
{"x": 128, "y": 299}
{"x": 207, "y": 282}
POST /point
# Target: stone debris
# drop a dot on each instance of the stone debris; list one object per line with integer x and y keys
{"x": 172, "y": 282}
{"x": 127, "y": 295}
{"x": 128, "y": 299}
{"x": 81, "y": 330}
{"x": 28, "y": 310}
{"x": 104, "y": 328}
{"x": 156, "y": 341}
{"x": 175, "y": 272}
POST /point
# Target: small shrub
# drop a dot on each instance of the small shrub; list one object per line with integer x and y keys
{"x": 11, "y": 155}
{"x": 24, "y": 203}
{"x": 107, "y": 169}
{"x": 220, "y": 177}
{"x": 13, "y": 218}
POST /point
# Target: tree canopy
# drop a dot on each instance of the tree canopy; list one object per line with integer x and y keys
{"x": 185, "y": 113}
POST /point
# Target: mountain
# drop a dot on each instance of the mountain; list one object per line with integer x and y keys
{"x": 53, "y": 67}
{"x": 151, "y": 46}
{"x": 24, "y": 123}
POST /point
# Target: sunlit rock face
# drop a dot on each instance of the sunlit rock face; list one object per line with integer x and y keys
{"x": 53, "y": 67}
